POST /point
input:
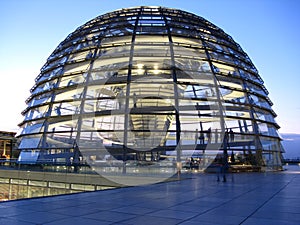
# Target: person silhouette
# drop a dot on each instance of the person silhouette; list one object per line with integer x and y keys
{"x": 231, "y": 135}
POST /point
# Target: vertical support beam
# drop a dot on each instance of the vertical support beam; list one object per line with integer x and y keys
{"x": 257, "y": 142}
{"x": 216, "y": 84}
{"x": 84, "y": 92}
{"x": 176, "y": 95}
{"x": 127, "y": 96}
{"x": 220, "y": 105}
{"x": 83, "y": 97}
{"x": 46, "y": 123}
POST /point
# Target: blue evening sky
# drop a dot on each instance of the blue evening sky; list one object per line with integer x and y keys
{"x": 267, "y": 30}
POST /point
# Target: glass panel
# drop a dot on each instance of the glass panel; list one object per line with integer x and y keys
{"x": 33, "y": 127}
{"x": 145, "y": 50}
{"x": 230, "y": 81}
{"x": 48, "y": 75}
{"x": 81, "y": 55}
{"x": 221, "y": 57}
{"x": 36, "y": 113}
{"x": 143, "y": 67}
{"x": 144, "y": 29}
{"x": 109, "y": 129}
{"x": 55, "y": 63}
{"x": 76, "y": 67}
{"x": 259, "y": 101}
{"x": 107, "y": 104}
{"x": 30, "y": 142}
{"x": 270, "y": 144}
{"x": 65, "y": 108}
{"x": 27, "y": 157}
{"x": 232, "y": 95}
{"x": 118, "y": 51}
{"x": 263, "y": 115}
{"x": 223, "y": 69}
{"x": 110, "y": 41}
{"x": 111, "y": 62}
{"x": 72, "y": 80}
{"x": 216, "y": 46}
{"x": 193, "y": 65}
{"x": 58, "y": 52}
{"x": 247, "y": 75}
{"x": 240, "y": 125}
{"x": 60, "y": 140}
{"x": 267, "y": 129}
{"x": 187, "y": 41}
{"x": 182, "y": 52}
{"x": 182, "y": 31}
{"x": 86, "y": 44}
{"x": 239, "y": 113}
{"x": 255, "y": 88}
{"x": 151, "y": 39}
{"x": 40, "y": 99}
{"x": 45, "y": 86}
{"x": 70, "y": 94}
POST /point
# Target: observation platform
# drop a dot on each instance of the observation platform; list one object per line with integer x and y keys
{"x": 246, "y": 198}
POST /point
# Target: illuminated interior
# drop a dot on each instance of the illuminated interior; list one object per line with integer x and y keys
{"x": 149, "y": 85}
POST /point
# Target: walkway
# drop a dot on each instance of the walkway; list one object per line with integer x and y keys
{"x": 246, "y": 198}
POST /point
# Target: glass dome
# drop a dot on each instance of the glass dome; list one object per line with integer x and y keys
{"x": 149, "y": 87}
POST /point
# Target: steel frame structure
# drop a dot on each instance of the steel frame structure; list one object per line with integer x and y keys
{"x": 149, "y": 84}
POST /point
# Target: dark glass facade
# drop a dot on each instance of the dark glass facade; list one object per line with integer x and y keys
{"x": 149, "y": 87}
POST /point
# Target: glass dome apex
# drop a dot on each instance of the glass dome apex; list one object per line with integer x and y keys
{"x": 150, "y": 84}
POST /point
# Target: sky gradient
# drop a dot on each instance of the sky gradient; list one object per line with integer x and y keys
{"x": 267, "y": 30}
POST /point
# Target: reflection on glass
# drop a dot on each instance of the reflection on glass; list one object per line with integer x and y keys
{"x": 141, "y": 90}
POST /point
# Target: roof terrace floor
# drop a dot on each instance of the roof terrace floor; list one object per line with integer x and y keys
{"x": 246, "y": 198}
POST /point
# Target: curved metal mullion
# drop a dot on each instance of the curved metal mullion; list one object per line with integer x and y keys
{"x": 216, "y": 84}
{"x": 81, "y": 109}
{"x": 43, "y": 141}
{"x": 258, "y": 143}
{"x": 127, "y": 110}
{"x": 175, "y": 83}
{"x": 220, "y": 106}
